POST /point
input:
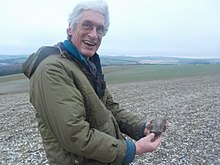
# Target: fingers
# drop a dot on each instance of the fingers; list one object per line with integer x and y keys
{"x": 155, "y": 141}
{"x": 147, "y": 144}
{"x": 146, "y": 131}
{"x": 149, "y": 125}
{"x": 151, "y": 136}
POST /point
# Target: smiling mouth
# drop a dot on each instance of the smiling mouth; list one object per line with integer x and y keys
{"x": 89, "y": 43}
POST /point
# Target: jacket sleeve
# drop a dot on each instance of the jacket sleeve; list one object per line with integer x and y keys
{"x": 129, "y": 123}
{"x": 61, "y": 106}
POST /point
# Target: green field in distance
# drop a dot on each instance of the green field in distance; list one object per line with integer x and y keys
{"x": 135, "y": 73}
{"x": 125, "y": 74}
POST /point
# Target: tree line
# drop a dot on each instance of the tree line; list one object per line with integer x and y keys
{"x": 10, "y": 69}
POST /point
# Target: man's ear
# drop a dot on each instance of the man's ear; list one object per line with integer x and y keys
{"x": 69, "y": 31}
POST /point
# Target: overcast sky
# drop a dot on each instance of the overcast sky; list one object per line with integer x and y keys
{"x": 176, "y": 28}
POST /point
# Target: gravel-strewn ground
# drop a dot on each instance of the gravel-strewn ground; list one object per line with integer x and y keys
{"x": 192, "y": 107}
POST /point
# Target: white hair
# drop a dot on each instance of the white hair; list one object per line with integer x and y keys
{"x": 100, "y": 6}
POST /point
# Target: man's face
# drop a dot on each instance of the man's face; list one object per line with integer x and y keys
{"x": 88, "y": 33}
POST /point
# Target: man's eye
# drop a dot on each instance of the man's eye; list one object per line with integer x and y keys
{"x": 87, "y": 26}
{"x": 100, "y": 29}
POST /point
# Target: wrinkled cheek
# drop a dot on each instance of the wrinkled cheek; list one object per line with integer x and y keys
{"x": 77, "y": 42}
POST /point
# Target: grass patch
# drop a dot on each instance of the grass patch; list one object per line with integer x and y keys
{"x": 13, "y": 84}
{"x": 156, "y": 72}
{"x": 12, "y": 77}
{"x": 130, "y": 73}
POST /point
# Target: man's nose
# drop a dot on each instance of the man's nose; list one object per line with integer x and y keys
{"x": 93, "y": 33}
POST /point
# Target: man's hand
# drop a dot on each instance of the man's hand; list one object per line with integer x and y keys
{"x": 147, "y": 144}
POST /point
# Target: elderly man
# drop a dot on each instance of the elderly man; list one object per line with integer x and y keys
{"x": 77, "y": 118}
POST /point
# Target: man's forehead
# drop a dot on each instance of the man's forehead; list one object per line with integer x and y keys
{"x": 94, "y": 17}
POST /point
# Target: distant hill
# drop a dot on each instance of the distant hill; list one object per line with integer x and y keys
{"x": 11, "y": 64}
{"x": 12, "y": 59}
{"x": 126, "y": 60}
{"x": 123, "y": 60}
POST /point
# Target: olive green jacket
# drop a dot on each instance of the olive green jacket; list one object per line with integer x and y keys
{"x": 76, "y": 126}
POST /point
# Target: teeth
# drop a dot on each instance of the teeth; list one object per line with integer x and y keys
{"x": 89, "y": 43}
